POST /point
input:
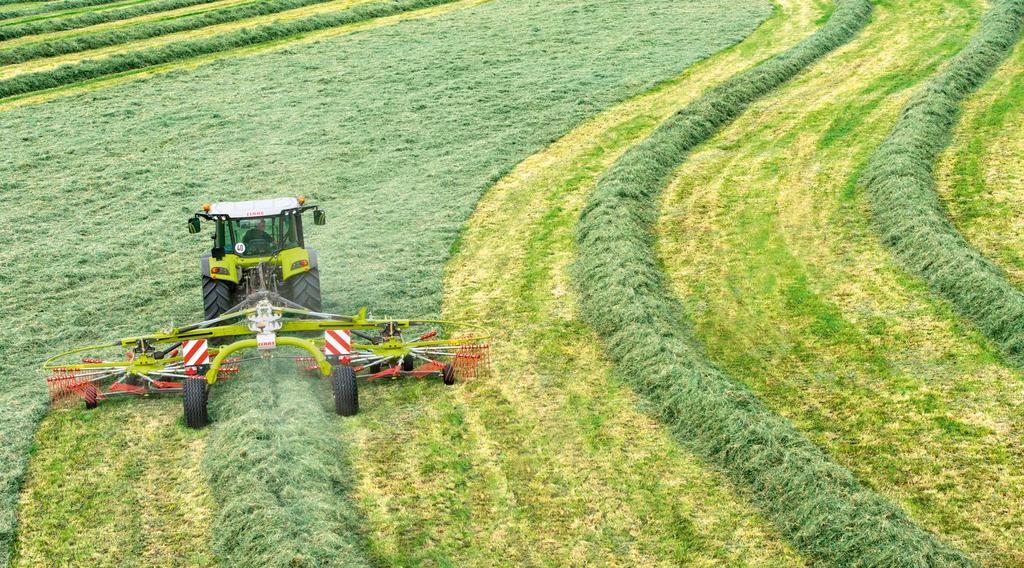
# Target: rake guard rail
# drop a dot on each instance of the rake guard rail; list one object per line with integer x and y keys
{"x": 316, "y": 322}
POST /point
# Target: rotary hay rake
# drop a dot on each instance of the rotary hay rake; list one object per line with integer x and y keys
{"x": 190, "y": 359}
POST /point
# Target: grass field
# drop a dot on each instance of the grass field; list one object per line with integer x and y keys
{"x": 978, "y": 178}
{"x": 469, "y": 154}
{"x": 768, "y": 237}
{"x": 296, "y": 122}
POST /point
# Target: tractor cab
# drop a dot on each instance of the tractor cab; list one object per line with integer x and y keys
{"x": 258, "y": 246}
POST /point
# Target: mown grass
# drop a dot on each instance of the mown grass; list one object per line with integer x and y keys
{"x": 769, "y": 239}
{"x": 117, "y": 36}
{"x": 817, "y": 503}
{"x": 92, "y": 18}
{"x": 910, "y": 217}
{"x": 126, "y": 23}
{"x": 118, "y": 486}
{"x": 89, "y": 69}
{"x": 978, "y": 176}
{"x": 324, "y": 119}
{"x": 191, "y": 63}
{"x": 565, "y": 419}
{"x": 279, "y": 475}
{"x": 56, "y": 6}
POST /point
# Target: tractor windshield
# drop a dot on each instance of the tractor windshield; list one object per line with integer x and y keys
{"x": 260, "y": 236}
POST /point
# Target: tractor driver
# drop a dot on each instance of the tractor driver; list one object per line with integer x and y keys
{"x": 258, "y": 237}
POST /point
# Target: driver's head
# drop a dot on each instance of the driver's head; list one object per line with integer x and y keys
{"x": 261, "y": 225}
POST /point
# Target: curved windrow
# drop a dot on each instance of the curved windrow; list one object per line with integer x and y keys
{"x": 816, "y": 502}
{"x": 396, "y": 137}
{"x": 908, "y": 212}
{"x": 120, "y": 63}
{"x": 163, "y": 26}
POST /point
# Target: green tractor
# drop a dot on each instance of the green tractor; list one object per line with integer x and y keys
{"x": 258, "y": 246}
{"x": 261, "y": 292}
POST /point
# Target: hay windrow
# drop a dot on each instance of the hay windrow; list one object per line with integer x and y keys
{"x": 118, "y": 36}
{"x": 49, "y": 7}
{"x": 908, "y": 213}
{"x": 328, "y": 117}
{"x": 75, "y": 21}
{"x": 625, "y": 296}
{"x": 280, "y": 475}
{"x": 92, "y": 69}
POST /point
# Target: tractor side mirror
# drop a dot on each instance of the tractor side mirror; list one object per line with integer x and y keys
{"x": 319, "y": 217}
{"x": 217, "y": 253}
{"x": 193, "y": 225}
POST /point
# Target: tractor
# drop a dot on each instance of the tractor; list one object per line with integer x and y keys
{"x": 261, "y": 291}
{"x": 257, "y": 246}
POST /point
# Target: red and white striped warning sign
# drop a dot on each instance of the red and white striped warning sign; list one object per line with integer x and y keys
{"x": 195, "y": 352}
{"x": 337, "y": 342}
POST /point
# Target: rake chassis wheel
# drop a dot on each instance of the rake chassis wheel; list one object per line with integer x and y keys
{"x": 346, "y": 393}
{"x": 194, "y": 400}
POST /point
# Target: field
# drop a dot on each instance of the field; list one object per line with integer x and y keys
{"x": 711, "y": 344}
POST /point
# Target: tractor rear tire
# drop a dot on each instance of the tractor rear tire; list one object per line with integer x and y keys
{"x": 448, "y": 375}
{"x": 304, "y": 289}
{"x": 196, "y": 395}
{"x": 91, "y": 395}
{"x": 408, "y": 363}
{"x": 216, "y": 297}
{"x": 346, "y": 393}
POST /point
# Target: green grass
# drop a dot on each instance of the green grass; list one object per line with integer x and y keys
{"x": 117, "y": 484}
{"x": 909, "y": 215}
{"x": 398, "y": 164}
{"x": 90, "y": 69}
{"x": 91, "y": 18}
{"x": 977, "y": 177}
{"x": 769, "y": 240}
{"x": 63, "y": 46}
{"x": 59, "y": 6}
{"x": 819, "y": 504}
{"x": 279, "y": 474}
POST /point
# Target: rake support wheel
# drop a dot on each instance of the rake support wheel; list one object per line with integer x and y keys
{"x": 194, "y": 400}
{"x": 448, "y": 375}
{"x": 346, "y": 394}
{"x": 91, "y": 395}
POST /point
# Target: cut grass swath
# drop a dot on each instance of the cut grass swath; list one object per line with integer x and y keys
{"x": 625, "y": 296}
{"x": 908, "y": 212}
{"x": 91, "y": 69}
{"x": 280, "y": 475}
{"x": 53, "y": 7}
{"x": 96, "y": 18}
{"x": 148, "y": 30}
{"x": 429, "y": 127}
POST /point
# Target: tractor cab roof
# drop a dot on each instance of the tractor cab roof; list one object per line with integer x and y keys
{"x": 257, "y": 208}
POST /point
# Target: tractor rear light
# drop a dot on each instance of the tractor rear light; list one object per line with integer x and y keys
{"x": 300, "y": 264}
{"x": 219, "y": 270}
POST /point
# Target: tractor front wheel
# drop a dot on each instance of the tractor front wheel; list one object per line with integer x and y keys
{"x": 346, "y": 395}
{"x": 304, "y": 289}
{"x": 195, "y": 399}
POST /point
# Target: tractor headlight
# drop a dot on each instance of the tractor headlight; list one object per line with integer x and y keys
{"x": 300, "y": 264}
